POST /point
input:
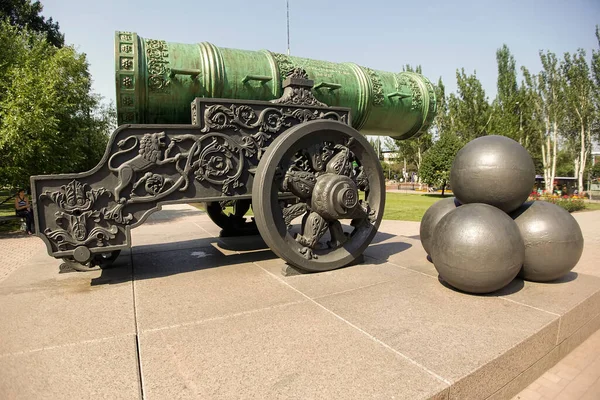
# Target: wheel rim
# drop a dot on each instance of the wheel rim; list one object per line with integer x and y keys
{"x": 326, "y": 165}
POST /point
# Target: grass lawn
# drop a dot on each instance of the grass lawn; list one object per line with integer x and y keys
{"x": 592, "y": 206}
{"x": 407, "y": 207}
{"x": 399, "y": 206}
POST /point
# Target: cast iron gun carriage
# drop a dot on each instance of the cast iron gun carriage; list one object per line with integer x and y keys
{"x": 276, "y": 133}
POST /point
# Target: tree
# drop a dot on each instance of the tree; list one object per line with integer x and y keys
{"x": 441, "y": 123}
{"x": 545, "y": 94}
{"x": 26, "y": 15}
{"x": 437, "y": 161}
{"x": 579, "y": 99}
{"x": 596, "y": 86}
{"x": 469, "y": 111}
{"x": 506, "y": 113}
{"x": 409, "y": 68}
{"x": 50, "y": 122}
{"x": 411, "y": 150}
{"x": 531, "y": 121}
{"x": 595, "y": 171}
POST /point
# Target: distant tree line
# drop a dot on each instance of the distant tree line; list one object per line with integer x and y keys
{"x": 50, "y": 120}
{"x": 554, "y": 114}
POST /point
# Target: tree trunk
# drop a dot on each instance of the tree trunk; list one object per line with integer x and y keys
{"x": 576, "y": 166}
{"x": 547, "y": 157}
{"x": 554, "y": 151}
{"x": 443, "y": 188}
{"x": 582, "y": 159}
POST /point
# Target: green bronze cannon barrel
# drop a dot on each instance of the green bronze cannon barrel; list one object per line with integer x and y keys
{"x": 157, "y": 80}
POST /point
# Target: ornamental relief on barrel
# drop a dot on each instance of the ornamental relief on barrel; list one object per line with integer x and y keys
{"x": 284, "y": 64}
{"x": 378, "y": 97}
{"x": 157, "y": 57}
{"x": 406, "y": 81}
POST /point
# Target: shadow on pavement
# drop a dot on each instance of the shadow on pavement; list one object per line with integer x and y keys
{"x": 160, "y": 260}
{"x": 170, "y": 216}
{"x": 382, "y": 252}
{"x": 513, "y": 287}
{"x": 382, "y": 236}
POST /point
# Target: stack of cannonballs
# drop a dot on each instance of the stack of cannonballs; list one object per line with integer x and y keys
{"x": 483, "y": 238}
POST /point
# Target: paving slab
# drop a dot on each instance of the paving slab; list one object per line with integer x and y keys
{"x": 105, "y": 368}
{"x": 320, "y": 284}
{"x": 451, "y": 333}
{"x": 40, "y": 307}
{"x": 183, "y": 223}
{"x": 187, "y": 285}
{"x": 575, "y": 298}
{"x": 403, "y": 251}
{"x": 296, "y": 351}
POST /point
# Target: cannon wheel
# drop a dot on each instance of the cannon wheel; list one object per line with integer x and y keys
{"x": 233, "y": 224}
{"x": 98, "y": 261}
{"x": 336, "y": 177}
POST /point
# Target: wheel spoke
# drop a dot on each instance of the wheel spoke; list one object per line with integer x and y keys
{"x": 338, "y": 236}
{"x": 313, "y": 229}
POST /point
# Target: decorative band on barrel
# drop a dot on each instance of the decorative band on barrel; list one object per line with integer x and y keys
{"x": 423, "y": 101}
{"x": 275, "y": 73}
{"x": 364, "y": 90}
{"x": 128, "y": 85}
{"x": 431, "y": 104}
{"x": 213, "y": 76}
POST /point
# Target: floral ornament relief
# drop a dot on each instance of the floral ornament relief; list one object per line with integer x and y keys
{"x": 378, "y": 97}
{"x": 157, "y": 55}
{"x": 75, "y": 201}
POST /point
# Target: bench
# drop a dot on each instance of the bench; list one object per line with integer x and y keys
{"x": 9, "y": 218}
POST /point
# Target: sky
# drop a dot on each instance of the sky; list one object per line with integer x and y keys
{"x": 442, "y": 36}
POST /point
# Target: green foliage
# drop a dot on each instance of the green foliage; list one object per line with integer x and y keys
{"x": 26, "y": 15}
{"x": 468, "y": 111}
{"x": 409, "y": 68}
{"x": 564, "y": 163}
{"x": 437, "y": 161}
{"x": 531, "y": 118}
{"x": 512, "y": 110}
{"x": 441, "y": 123}
{"x": 506, "y": 115}
{"x": 411, "y": 150}
{"x": 595, "y": 170}
{"x": 49, "y": 120}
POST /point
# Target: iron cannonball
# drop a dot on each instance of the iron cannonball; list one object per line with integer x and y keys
{"x": 553, "y": 241}
{"x": 477, "y": 248}
{"x": 432, "y": 217}
{"x": 494, "y": 170}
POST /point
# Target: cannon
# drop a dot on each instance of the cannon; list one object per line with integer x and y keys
{"x": 280, "y": 134}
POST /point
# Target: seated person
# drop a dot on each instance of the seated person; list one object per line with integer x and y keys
{"x": 23, "y": 209}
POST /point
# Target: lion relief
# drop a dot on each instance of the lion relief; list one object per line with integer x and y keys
{"x": 150, "y": 152}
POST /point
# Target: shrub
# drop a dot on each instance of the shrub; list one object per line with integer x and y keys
{"x": 568, "y": 203}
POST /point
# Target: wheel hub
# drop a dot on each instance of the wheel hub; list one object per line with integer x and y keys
{"x": 334, "y": 196}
